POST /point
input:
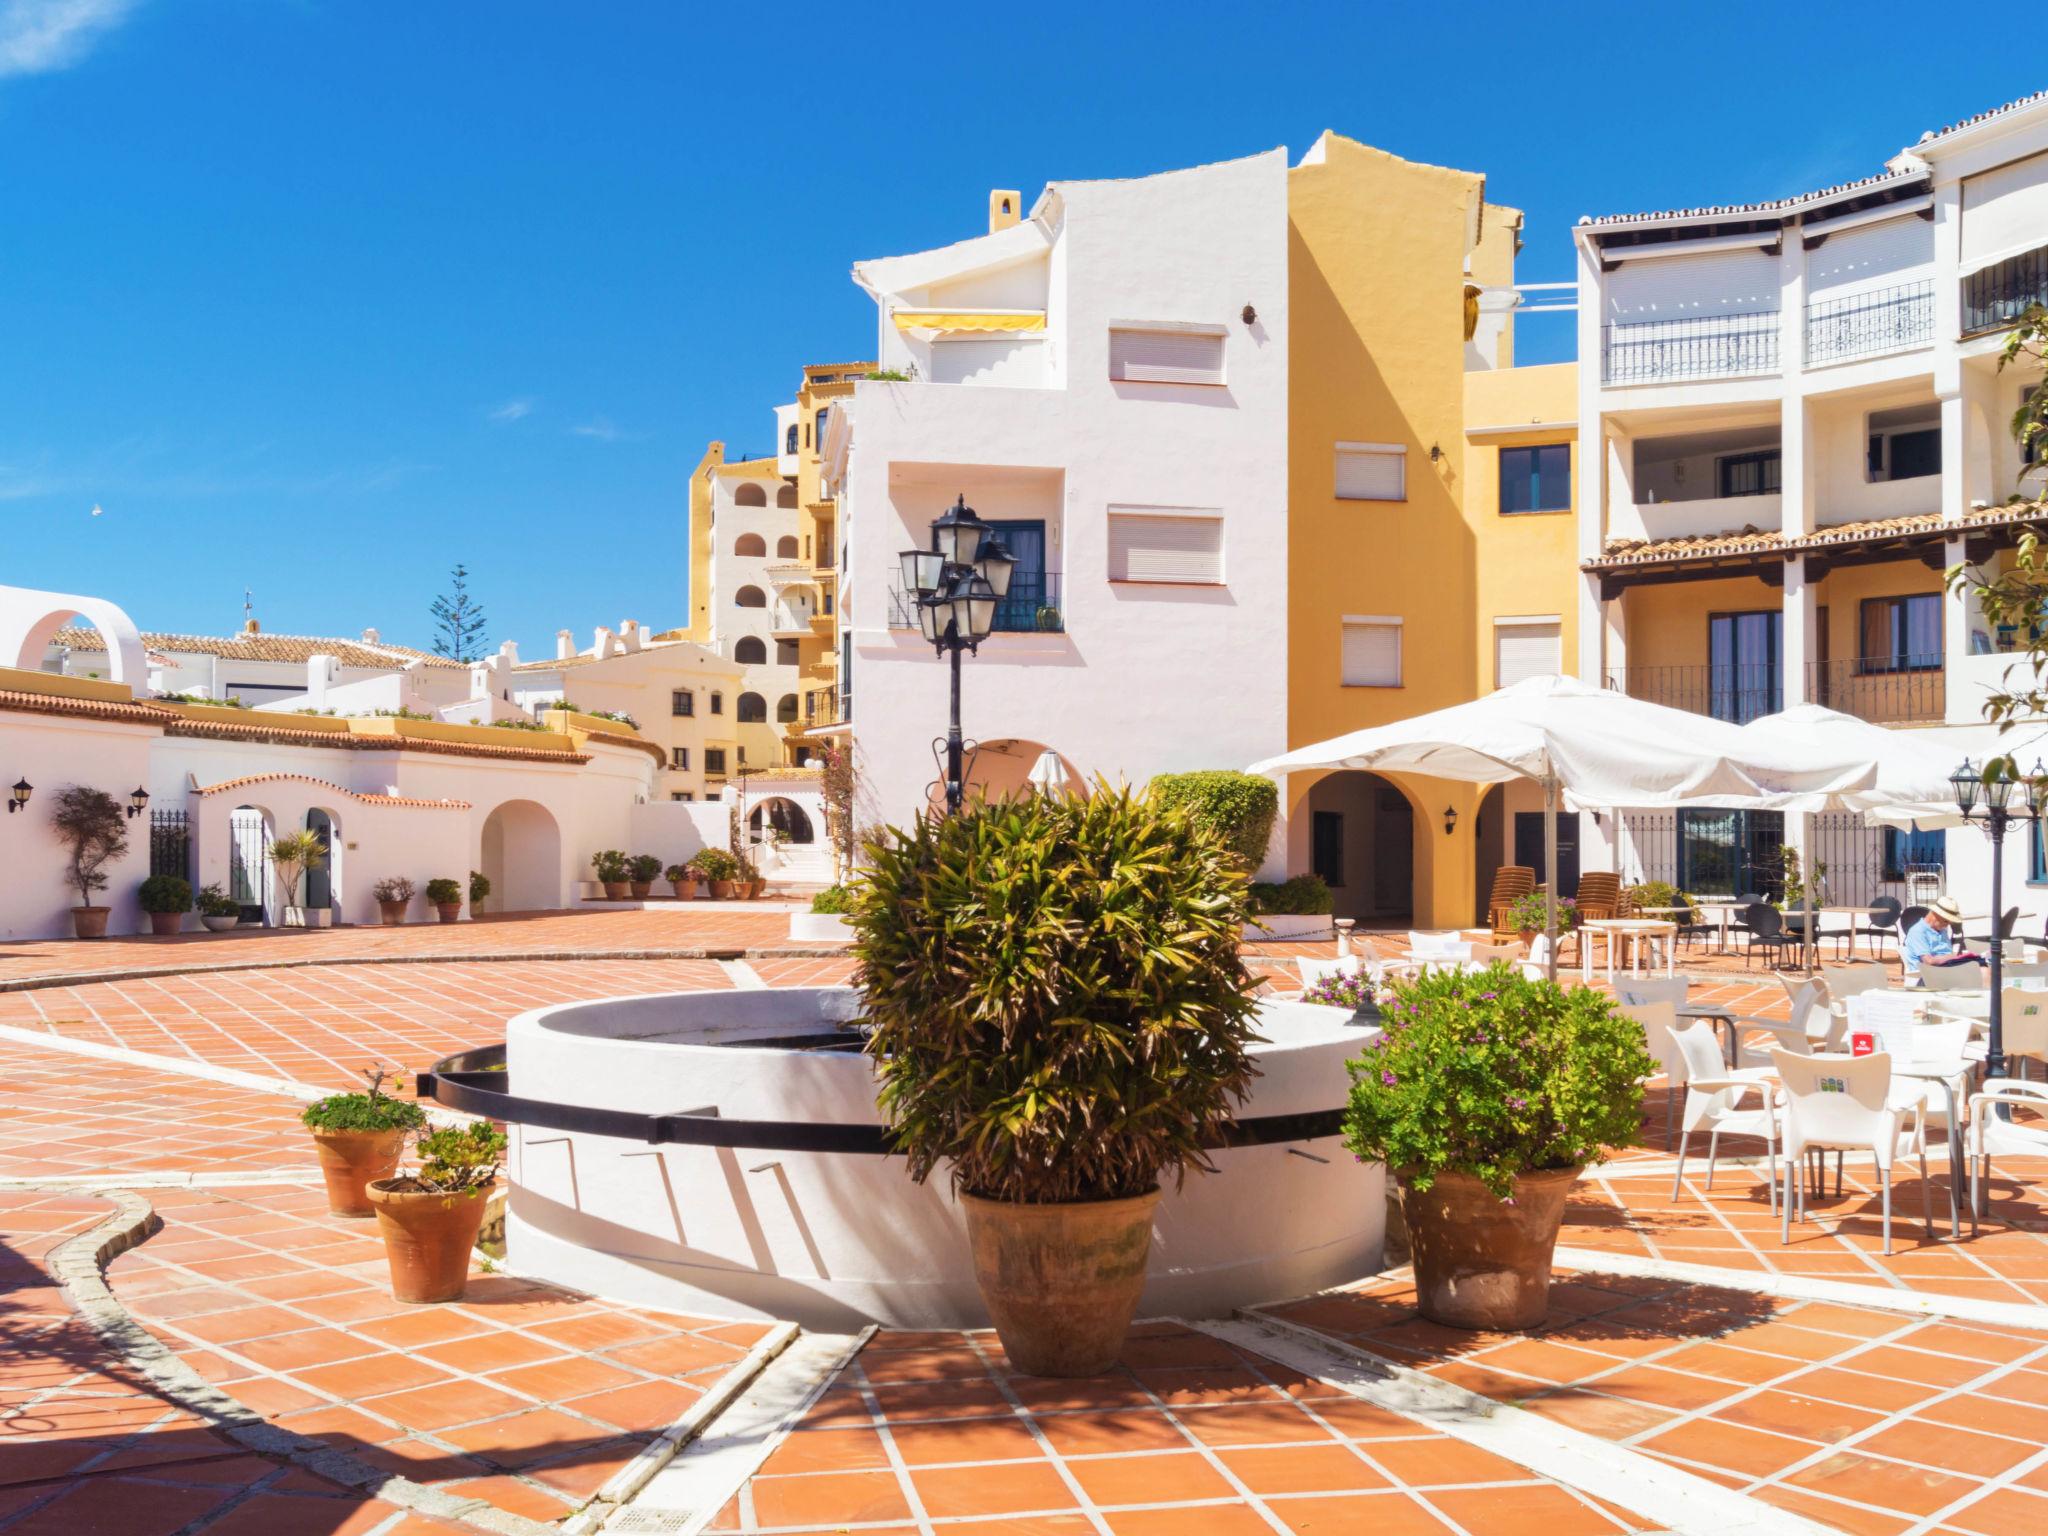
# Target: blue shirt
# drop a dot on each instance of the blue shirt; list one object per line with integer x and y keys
{"x": 1923, "y": 942}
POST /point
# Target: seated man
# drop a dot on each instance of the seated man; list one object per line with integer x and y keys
{"x": 1931, "y": 941}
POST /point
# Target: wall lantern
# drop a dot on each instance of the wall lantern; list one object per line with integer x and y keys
{"x": 18, "y": 797}
{"x": 1450, "y": 819}
{"x": 138, "y": 802}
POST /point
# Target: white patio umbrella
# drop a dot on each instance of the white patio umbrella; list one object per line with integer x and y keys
{"x": 1049, "y": 775}
{"x": 1594, "y": 748}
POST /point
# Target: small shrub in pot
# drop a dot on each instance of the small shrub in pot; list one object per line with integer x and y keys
{"x": 1485, "y": 1097}
{"x": 94, "y": 832}
{"x": 682, "y": 880}
{"x": 640, "y": 872}
{"x": 359, "y": 1137}
{"x": 479, "y": 888}
{"x": 610, "y": 869}
{"x": 833, "y": 900}
{"x": 1302, "y": 896}
{"x": 1057, "y": 1013}
{"x": 394, "y": 895}
{"x": 218, "y": 911}
{"x": 718, "y": 868}
{"x": 430, "y": 1218}
{"x": 445, "y": 897}
{"x": 166, "y": 898}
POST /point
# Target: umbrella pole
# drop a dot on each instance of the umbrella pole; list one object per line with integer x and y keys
{"x": 1806, "y": 891}
{"x": 1550, "y": 874}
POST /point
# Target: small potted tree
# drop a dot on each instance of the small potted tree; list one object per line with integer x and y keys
{"x": 430, "y": 1218}
{"x": 358, "y": 1137}
{"x": 610, "y": 868}
{"x": 218, "y": 911}
{"x": 640, "y": 872}
{"x": 479, "y": 888}
{"x": 166, "y": 898}
{"x": 293, "y": 856}
{"x": 445, "y": 897}
{"x": 394, "y": 895}
{"x": 1527, "y": 915}
{"x": 716, "y": 867}
{"x": 682, "y": 880}
{"x": 1485, "y": 1098}
{"x": 1057, "y": 1010}
{"x": 94, "y": 832}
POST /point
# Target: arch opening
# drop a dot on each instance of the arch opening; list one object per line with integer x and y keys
{"x": 750, "y": 494}
{"x": 750, "y": 597}
{"x": 786, "y": 496}
{"x": 1362, "y": 842}
{"x": 750, "y": 650}
{"x": 784, "y": 816}
{"x": 750, "y": 546}
{"x": 520, "y": 853}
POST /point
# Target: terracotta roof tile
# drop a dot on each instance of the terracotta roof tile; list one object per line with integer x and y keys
{"x": 285, "y": 736}
{"x": 303, "y": 778}
{"x": 94, "y": 709}
{"x": 263, "y": 647}
{"x": 1982, "y": 117}
{"x": 1769, "y": 205}
{"x": 1622, "y": 553}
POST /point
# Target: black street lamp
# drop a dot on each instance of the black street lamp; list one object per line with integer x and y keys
{"x": 1996, "y": 812}
{"x": 957, "y": 584}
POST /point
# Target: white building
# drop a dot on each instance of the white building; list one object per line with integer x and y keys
{"x": 1792, "y": 420}
{"x": 255, "y": 667}
{"x": 1105, "y": 381}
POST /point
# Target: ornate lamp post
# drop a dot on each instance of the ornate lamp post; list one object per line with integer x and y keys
{"x": 1994, "y": 813}
{"x": 957, "y": 584}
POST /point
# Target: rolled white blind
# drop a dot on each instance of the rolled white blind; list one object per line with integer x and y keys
{"x": 1165, "y": 357}
{"x": 1713, "y": 282}
{"x": 1372, "y": 654}
{"x": 1870, "y": 257}
{"x": 1145, "y": 546}
{"x": 1524, "y": 650}
{"x": 2005, "y": 211}
{"x": 1371, "y": 472}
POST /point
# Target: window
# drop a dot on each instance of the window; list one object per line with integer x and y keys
{"x": 1749, "y": 474}
{"x": 828, "y": 602}
{"x": 1166, "y": 354}
{"x": 1536, "y": 479}
{"x": 785, "y": 653}
{"x": 1900, "y": 634}
{"x": 714, "y": 760}
{"x": 785, "y": 709}
{"x": 1524, "y": 648}
{"x": 1326, "y": 846}
{"x": 1372, "y": 653}
{"x": 1731, "y": 853}
{"x": 789, "y": 439}
{"x": 1908, "y": 848}
{"x": 682, "y": 702}
{"x": 750, "y": 597}
{"x": 1372, "y": 472}
{"x": 680, "y": 794}
{"x": 752, "y": 494}
{"x": 679, "y": 759}
{"x": 750, "y": 546}
{"x": 785, "y": 547}
{"x": 822, "y": 415}
{"x": 750, "y": 651}
{"x": 1743, "y": 665}
{"x": 786, "y": 496}
{"x": 1148, "y": 546}
{"x": 753, "y": 709}
{"x": 1904, "y": 455}
{"x": 717, "y": 703}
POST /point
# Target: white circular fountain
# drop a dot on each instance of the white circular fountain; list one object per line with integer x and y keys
{"x": 834, "y": 1241}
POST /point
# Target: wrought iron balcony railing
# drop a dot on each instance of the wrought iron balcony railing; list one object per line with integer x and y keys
{"x": 1863, "y": 324}
{"x": 1691, "y": 347}
{"x": 1887, "y": 690}
{"x": 1738, "y": 694}
{"x": 1996, "y": 297}
{"x": 1032, "y": 603}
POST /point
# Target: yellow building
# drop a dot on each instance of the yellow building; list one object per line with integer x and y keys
{"x": 1431, "y": 556}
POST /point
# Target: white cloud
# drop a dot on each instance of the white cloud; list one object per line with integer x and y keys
{"x": 38, "y": 36}
{"x": 603, "y": 429}
{"x": 513, "y": 410}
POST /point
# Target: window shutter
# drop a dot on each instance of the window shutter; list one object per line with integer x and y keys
{"x": 1165, "y": 357}
{"x": 1525, "y": 650}
{"x": 1372, "y": 654}
{"x": 1147, "y": 547}
{"x": 1372, "y": 472}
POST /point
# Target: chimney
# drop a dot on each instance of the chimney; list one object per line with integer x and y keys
{"x": 251, "y": 627}
{"x": 510, "y": 651}
{"x": 565, "y": 645}
{"x": 1004, "y": 209}
{"x": 601, "y": 643}
{"x": 629, "y": 632}
{"x": 371, "y": 637}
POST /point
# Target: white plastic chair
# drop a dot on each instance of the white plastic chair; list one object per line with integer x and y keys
{"x": 1954, "y": 978}
{"x": 2024, "y": 1014}
{"x": 1846, "y": 1103}
{"x": 1990, "y": 1136}
{"x": 1314, "y": 970}
{"x": 1851, "y": 977}
{"x": 1811, "y": 1024}
{"x": 1658, "y": 1017}
{"x": 1713, "y": 1099}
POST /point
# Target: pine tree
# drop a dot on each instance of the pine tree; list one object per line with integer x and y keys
{"x": 460, "y": 619}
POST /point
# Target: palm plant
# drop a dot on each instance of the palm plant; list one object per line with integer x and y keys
{"x": 293, "y": 855}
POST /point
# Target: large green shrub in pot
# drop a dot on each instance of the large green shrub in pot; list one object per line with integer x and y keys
{"x": 1237, "y": 807}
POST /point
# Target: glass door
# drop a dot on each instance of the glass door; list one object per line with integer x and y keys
{"x": 1028, "y": 588}
{"x": 1743, "y": 665}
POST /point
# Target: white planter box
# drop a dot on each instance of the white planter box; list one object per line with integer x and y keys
{"x": 1280, "y": 925}
{"x": 819, "y": 927}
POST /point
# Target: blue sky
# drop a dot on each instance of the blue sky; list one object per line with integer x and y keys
{"x": 318, "y": 297}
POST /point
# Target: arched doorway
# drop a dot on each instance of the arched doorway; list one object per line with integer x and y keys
{"x": 1362, "y": 842}
{"x": 1490, "y": 847}
{"x": 323, "y": 886}
{"x": 1002, "y": 767}
{"x": 521, "y": 855}
{"x": 784, "y": 816}
{"x": 249, "y": 862}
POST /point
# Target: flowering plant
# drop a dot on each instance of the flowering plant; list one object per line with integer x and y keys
{"x": 1491, "y": 1074}
{"x": 1348, "y": 991}
{"x": 1526, "y": 915}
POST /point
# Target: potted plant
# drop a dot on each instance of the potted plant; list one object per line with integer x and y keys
{"x": 218, "y": 911}
{"x": 394, "y": 895}
{"x": 826, "y": 920}
{"x": 1297, "y": 908}
{"x": 445, "y": 897}
{"x": 682, "y": 880}
{"x": 1485, "y": 1098}
{"x": 358, "y": 1137}
{"x": 293, "y": 856}
{"x": 430, "y": 1218}
{"x": 718, "y": 868}
{"x": 479, "y": 888}
{"x": 166, "y": 899}
{"x": 640, "y": 872}
{"x": 94, "y": 833}
{"x": 1056, "y": 1009}
{"x": 1527, "y": 915}
{"x": 610, "y": 868}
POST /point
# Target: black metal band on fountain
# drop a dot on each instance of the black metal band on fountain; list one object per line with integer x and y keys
{"x": 476, "y": 1083}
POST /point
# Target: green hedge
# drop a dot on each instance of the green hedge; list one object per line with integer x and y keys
{"x": 1238, "y": 808}
{"x": 1303, "y": 896}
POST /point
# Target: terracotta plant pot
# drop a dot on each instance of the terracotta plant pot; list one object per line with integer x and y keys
{"x": 427, "y": 1239}
{"x": 641, "y": 889}
{"x": 90, "y": 922}
{"x": 1481, "y": 1262}
{"x": 450, "y": 910}
{"x": 165, "y": 924}
{"x": 349, "y": 1160}
{"x": 1061, "y": 1282}
{"x": 391, "y": 912}
{"x": 615, "y": 890}
{"x": 686, "y": 890}
{"x": 220, "y": 923}
{"x": 721, "y": 890}
{"x": 755, "y": 888}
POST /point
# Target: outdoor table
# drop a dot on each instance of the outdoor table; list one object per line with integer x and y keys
{"x": 1944, "y": 1074}
{"x": 1632, "y": 931}
{"x": 1723, "y": 910}
{"x": 1722, "y": 1017}
{"x": 1855, "y": 915}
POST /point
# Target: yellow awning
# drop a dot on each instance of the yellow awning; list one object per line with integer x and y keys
{"x": 970, "y": 320}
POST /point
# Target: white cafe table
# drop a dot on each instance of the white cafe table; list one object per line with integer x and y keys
{"x": 1723, "y": 910}
{"x": 1944, "y": 1075}
{"x": 1630, "y": 932}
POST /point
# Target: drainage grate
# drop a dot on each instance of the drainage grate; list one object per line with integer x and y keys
{"x": 651, "y": 1522}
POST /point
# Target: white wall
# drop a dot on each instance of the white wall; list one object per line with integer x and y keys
{"x": 51, "y": 752}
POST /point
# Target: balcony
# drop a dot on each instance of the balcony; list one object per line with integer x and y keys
{"x": 1885, "y": 690}
{"x": 1737, "y": 694}
{"x": 1032, "y": 604}
{"x": 1866, "y": 324}
{"x": 791, "y": 621}
{"x": 1996, "y": 297}
{"x": 821, "y": 707}
{"x": 1694, "y": 347}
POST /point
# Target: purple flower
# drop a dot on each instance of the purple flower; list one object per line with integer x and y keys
{"x": 1516, "y": 1101}
{"x": 1389, "y": 1079}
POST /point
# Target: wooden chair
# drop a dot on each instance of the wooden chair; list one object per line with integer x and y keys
{"x": 1511, "y": 882}
{"x": 1599, "y": 895}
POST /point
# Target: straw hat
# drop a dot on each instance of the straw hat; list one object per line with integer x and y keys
{"x": 1946, "y": 906}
